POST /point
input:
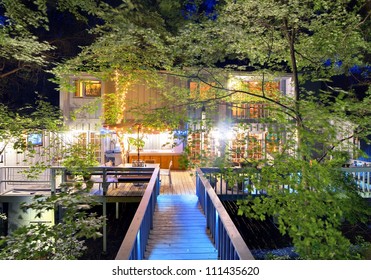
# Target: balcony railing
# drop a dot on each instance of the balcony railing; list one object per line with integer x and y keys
{"x": 19, "y": 176}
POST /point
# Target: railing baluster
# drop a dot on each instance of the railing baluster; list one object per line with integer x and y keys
{"x": 227, "y": 239}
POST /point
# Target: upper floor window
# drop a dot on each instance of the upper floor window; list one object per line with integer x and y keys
{"x": 88, "y": 88}
{"x": 199, "y": 90}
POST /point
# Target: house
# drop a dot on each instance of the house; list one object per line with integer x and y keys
{"x": 237, "y": 126}
{"x": 113, "y": 122}
{"x": 109, "y": 115}
{"x": 110, "y": 100}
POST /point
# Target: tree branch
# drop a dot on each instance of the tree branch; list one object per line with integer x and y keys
{"x": 230, "y": 92}
{"x": 10, "y": 72}
{"x": 319, "y": 160}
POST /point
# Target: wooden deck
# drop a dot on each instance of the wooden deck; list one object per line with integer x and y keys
{"x": 184, "y": 183}
{"x": 179, "y": 227}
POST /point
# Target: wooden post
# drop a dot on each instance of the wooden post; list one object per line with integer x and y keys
{"x": 117, "y": 210}
{"x": 104, "y": 226}
{"x": 52, "y": 180}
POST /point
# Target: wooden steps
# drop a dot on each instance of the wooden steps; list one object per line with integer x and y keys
{"x": 179, "y": 231}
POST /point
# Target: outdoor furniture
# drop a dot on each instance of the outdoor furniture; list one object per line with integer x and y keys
{"x": 167, "y": 172}
{"x": 108, "y": 181}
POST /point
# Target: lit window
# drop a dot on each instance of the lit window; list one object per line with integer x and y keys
{"x": 199, "y": 90}
{"x": 87, "y": 88}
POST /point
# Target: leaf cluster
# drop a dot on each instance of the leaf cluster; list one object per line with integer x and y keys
{"x": 61, "y": 241}
{"x": 309, "y": 202}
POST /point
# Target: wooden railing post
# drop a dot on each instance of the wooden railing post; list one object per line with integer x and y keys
{"x": 52, "y": 180}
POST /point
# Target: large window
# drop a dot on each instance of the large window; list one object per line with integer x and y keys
{"x": 88, "y": 88}
{"x": 250, "y": 111}
{"x": 251, "y": 106}
{"x": 255, "y": 147}
{"x": 199, "y": 90}
{"x": 271, "y": 143}
{"x": 91, "y": 138}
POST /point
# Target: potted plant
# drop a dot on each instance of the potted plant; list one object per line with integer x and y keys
{"x": 139, "y": 143}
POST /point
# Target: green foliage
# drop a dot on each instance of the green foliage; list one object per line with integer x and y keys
{"x": 113, "y": 109}
{"x": 268, "y": 35}
{"x": 61, "y": 241}
{"x": 126, "y": 41}
{"x": 137, "y": 142}
{"x": 309, "y": 202}
{"x": 14, "y": 126}
{"x": 18, "y": 37}
{"x": 317, "y": 127}
{"x": 78, "y": 158}
{"x": 266, "y": 30}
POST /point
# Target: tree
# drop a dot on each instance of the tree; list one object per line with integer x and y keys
{"x": 61, "y": 241}
{"x": 315, "y": 41}
{"x": 35, "y": 36}
{"x": 15, "y": 125}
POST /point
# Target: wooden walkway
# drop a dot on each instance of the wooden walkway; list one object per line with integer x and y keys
{"x": 179, "y": 228}
{"x": 179, "y": 231}
{"x": 184, "y": 183}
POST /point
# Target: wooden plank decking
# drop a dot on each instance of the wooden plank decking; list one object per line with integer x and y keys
{"x": 184, "y": 183}
{"x": 179, "y": 231}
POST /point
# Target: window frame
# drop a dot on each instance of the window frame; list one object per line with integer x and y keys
{"x": 94, "y": 87}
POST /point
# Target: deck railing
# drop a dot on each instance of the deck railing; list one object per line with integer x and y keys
{"x": 362, "y": 176}
{"x": 12, "y": 176}
{"x": 228, "y": 240}
{"x": 135, "y": 241}
{"x": 239, "y": 187}
{"x": 15, "y": 177}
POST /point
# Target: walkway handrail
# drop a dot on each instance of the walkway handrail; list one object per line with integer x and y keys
{"x": 135, "y": 241}
{"x": 245, "y": 186}
{"x": 228, "y": 240}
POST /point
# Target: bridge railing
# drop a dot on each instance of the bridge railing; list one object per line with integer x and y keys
{"x": 228, "y": 241}
{"x": 135, "y": 241}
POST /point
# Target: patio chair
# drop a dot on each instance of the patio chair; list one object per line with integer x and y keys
{"x": 167, "y": 172}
